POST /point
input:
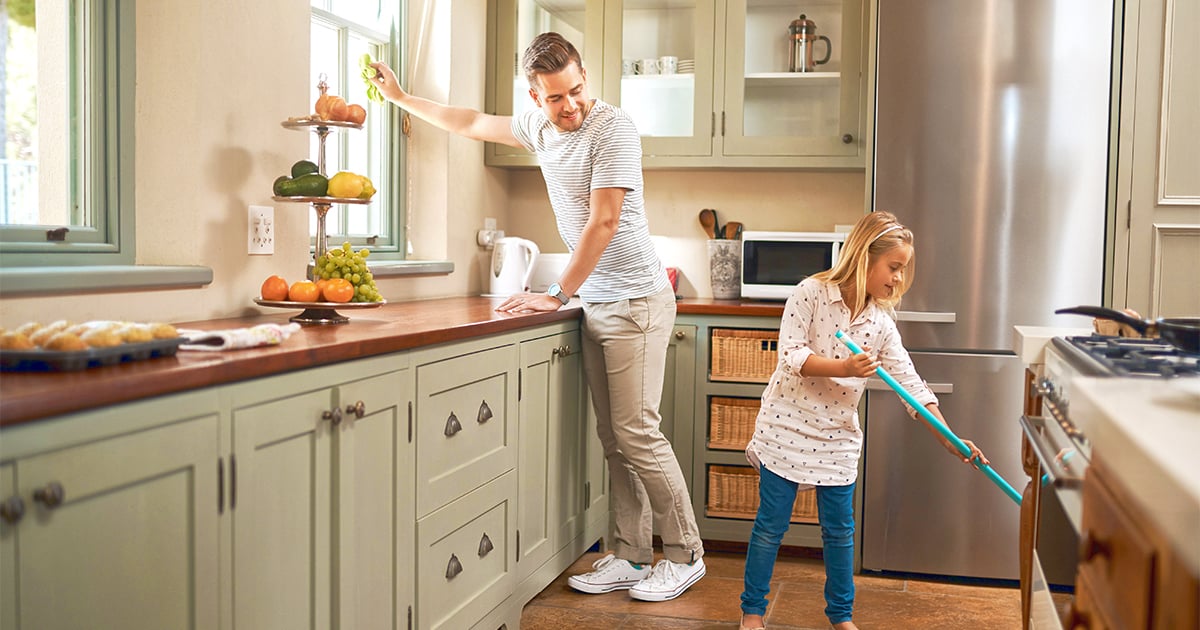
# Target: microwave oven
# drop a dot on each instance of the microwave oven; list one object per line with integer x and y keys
{"x": 773, "y": 263}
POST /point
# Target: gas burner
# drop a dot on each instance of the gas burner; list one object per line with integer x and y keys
{"x": 1125, "y": 356}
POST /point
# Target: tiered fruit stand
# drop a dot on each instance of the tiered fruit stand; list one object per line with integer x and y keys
{"x": 319, "y": 312}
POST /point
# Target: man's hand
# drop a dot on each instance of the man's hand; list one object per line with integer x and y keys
{"x": 530, "y": 302}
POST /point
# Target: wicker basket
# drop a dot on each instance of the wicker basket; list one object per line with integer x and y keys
{"x": 733, "y": 493}
{"x": 731, "y": 422}
{"x": 747, "y": 356}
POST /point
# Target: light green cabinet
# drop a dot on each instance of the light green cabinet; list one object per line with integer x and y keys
{"x": 120, "y": 520}
{"x": 320, "y": 499}
{"x": 678, "y": 400}
{"x": 551, "y": 438}
{"x": 731, "y": 101}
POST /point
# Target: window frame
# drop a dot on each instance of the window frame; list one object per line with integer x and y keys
{"x": 391, "y": 245}
{"x": 102, "y": 174}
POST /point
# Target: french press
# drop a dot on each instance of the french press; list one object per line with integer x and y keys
{"x": 802, "y": 34}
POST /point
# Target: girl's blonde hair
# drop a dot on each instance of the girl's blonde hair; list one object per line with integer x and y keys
{"x": 875, "y": 234}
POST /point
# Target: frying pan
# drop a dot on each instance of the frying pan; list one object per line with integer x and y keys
{"x": 1181, "y": 332}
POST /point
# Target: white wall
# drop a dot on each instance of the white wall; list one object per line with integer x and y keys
{"x": 209, "y": 144}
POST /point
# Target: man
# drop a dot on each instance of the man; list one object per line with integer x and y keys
{"x": 590, "y": 156}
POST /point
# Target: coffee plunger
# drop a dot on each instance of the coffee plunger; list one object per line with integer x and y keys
{"x": 802, "y": 33}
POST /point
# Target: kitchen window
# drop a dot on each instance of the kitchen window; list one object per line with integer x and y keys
{"x": 67, "y": 193}
{"x": 343, "y": 31}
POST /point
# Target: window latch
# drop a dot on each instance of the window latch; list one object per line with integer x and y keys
{"x": 57, "y": 234}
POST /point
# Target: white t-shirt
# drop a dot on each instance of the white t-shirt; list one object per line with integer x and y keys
{"x": 807, "y": 430}
{"x": 605, "y": 152}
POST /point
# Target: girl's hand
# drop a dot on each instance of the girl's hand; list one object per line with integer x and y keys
{"x": 385, "y": 79}
{"x": 977, "y": 457}
{"x": 859, "y": 365}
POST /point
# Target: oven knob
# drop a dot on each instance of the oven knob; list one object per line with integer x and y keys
{"x": 1045, "y": 387}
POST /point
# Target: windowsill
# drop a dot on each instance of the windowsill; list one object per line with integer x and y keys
{"x": 19, "y": 281}
{"x": 100, "y": 278}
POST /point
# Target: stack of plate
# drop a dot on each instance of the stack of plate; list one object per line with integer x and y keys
{"x": 687, "y": 66}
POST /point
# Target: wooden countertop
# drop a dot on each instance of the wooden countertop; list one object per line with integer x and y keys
{"x": 26, "y": 396}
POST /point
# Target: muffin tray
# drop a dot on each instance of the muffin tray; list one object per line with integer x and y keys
{"x": 56, "y": 361}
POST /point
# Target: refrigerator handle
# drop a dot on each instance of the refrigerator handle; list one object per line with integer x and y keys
{"x": 875, "y": 384}
{"x": 926, "y": 316}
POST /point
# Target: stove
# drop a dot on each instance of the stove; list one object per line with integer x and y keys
{"x": 1098, "y": 355}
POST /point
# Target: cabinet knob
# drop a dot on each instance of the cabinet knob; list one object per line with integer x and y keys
{"x": 847, "y": 138}
{"x": 51, "y": 495}
{"x": 485, "y": 413}
{"x": 358, "y": 409}
{"x": 1076, "y": 618}
{"x": 334, "y": 416}
{"x": 485, "y": 545}
{"x": 679, "y": 334}
{"x": 452, "y": 425}
{"x": 1090, "y": 546}
{"x": 453, "y": 568}
{"x": 12, "y": 510}
{"x": 561, "y": 351}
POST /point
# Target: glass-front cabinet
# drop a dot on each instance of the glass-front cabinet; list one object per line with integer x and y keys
{"x": 709, "y": 83}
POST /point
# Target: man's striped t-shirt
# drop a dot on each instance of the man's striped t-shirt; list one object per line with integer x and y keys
{"x": 605, "y": 152}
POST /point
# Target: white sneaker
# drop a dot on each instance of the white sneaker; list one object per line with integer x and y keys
{"x": 667, "y": 580}
{"x": 611, "y": 574}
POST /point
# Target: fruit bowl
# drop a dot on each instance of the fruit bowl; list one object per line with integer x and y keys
{"x": 324, "y": 200}
{"x": 318, "y": 312}
{"x": 303, "y": 122}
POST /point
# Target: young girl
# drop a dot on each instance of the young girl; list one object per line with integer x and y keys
{"x": 807, "y": 432}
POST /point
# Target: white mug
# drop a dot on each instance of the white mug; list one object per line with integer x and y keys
{"x": 647, "y": 66}
{"x": 668, "y": 64}
{"x": 628, "y": 67}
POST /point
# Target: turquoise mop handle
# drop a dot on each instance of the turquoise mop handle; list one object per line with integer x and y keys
{"x": 932, "y": 420}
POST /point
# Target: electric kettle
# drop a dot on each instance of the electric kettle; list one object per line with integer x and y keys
{"x": 512, "y": 265}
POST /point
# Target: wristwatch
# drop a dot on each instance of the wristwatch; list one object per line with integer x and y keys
{"x": 556, "y": 291}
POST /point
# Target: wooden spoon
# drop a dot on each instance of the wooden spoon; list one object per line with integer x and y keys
{"x": 708, "y": 219}
{"x": 733, "y": 230}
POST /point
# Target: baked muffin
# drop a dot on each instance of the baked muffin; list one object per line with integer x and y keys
{"x": 43, "y": 335}
{"x": 103, "y": 337}
{"x": 15, "y": 341}
{"x": 163, "y": 331}
{"x": 28, "y": 328}
{"x": 65, "y": 342}
{"x": 135, "y": 333}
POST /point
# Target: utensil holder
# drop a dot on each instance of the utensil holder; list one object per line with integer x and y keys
{"x": 725, "y": 266}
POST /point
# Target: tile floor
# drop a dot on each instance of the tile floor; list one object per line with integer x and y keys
{"x": 796, "y": 602}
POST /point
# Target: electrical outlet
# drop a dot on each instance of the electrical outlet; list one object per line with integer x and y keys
{"x": 260, "y": 233}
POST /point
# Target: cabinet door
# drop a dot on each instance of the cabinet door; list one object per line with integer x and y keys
{"x": 374, "y": 498}
{"x": 118, "y": 533}
{"x": 678, "y": 399}
{"x": 550, "y": 492}
{"x": 281, "y": 513}
{"x": 13, "y": 515}
{"x": 769, "y": 110}
{"x": 512, "y": 24}
{"x": 660, "y": 71}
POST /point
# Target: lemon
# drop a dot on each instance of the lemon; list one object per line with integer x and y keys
{"x": 345, "y": 185}
{"x": 368, "y": 190}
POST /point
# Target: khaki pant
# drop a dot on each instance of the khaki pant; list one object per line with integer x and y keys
{"x": 625, "y": 357}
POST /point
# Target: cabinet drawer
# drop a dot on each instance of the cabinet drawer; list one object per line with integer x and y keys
{"x": 1116, "y": 558}
{"x": 466, "y": 424}
{"x": 465, "y": 556}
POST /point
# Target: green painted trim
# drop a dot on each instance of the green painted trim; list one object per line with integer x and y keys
{"x": 107, "y": 278}
{"x": 396, "y": 268}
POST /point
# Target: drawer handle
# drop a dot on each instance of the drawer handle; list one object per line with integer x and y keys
{"x": 1090, "y": 547}
{"x": 12, "y": 510}
{"x": 485, "y": 413}
{"x": 452, "y": 425}
{"x": 51, "y": 495}
{"x": 334, "y": 416}
{"x": 453, "y": 568}
{"x": 485, "y": 545}
{"x": 358, "y": 409}
{"x": 561, "y": 351}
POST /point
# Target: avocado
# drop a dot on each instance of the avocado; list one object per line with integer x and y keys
{"x": 277, "y": 188}
{"x": 310, "y": 185}
{"x": 303, "y": 167}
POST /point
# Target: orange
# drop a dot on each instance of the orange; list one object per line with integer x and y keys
{"x": 275, "y": 289}
{"x": 321, "y": 282}
{"x": 303, "y": 291}
{"x": 339, "y": 290}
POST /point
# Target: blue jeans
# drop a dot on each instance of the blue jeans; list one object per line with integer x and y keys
{"x": 835, "y": 511}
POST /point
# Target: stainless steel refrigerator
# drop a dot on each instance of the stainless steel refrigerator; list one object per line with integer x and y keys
{"x": 991, "y": 143}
